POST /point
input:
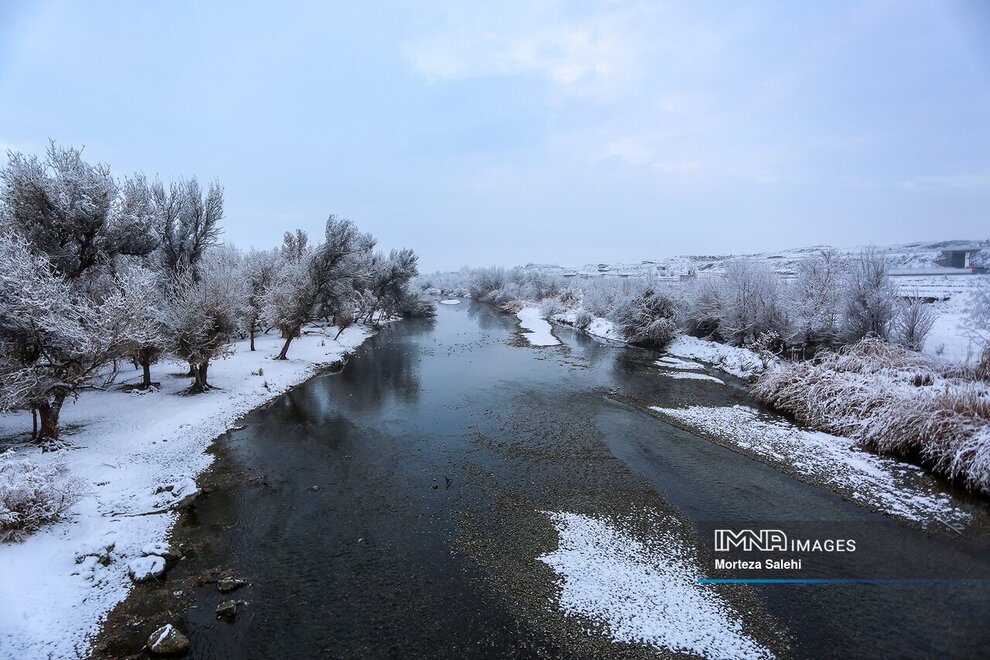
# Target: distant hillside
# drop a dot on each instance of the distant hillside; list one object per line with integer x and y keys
{"x": 909, "y": 256}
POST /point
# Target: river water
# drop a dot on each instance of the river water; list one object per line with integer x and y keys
{"x": 434, "y": 454}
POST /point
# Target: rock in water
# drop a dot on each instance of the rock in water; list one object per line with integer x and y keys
{"x": 185, "y": 492}
{"x": 168, "y": 641}
{"x": 169, "y": 552}
{"x": 230, "y": 584}
{"x": 146, "y": 568}
{"x": 227, "y": 609}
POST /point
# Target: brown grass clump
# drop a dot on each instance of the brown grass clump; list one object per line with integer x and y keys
{"x": 893, "y": 401}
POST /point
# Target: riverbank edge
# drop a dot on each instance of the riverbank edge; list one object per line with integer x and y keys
{"x": 734, "y": 361}
{"x": 84, "y": 593}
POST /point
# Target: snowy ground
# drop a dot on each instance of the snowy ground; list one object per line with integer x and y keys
{"x": 599, "y": 327}
{"x": 947, "y": 339}
{"x": 645, "y": 595}
{"x": 878, "y": 483}
{"x": 536, "y": 328}
{"x": 740, "y": 362}
{"x": 125, "y": 446}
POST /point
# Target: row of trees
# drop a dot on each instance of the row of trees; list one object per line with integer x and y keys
{"x": 833, "y": 300}
{"x": 94, "y": 270}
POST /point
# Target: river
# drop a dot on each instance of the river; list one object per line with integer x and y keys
{"x": 397, "y": 509}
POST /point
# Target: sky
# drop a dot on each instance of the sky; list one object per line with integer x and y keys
{"x": 507, "y": 133}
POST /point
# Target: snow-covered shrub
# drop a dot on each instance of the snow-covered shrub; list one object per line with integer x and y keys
{"x": 648, "y": 320}
{"x": 817, "y": 301}
{"x": 583, "y": 319}
{"x": 892, "y": 400}
{"x": 703, "y": 305}
{"x": 977, "y": 324}
{"x": 753, "y": 302}
{"x": 32, "y": 495}
{"x": 913, "y": 322}
{"x": 870, "y": 303}
{"x": 484, "y": 281}
{"x": 415, "y": 304}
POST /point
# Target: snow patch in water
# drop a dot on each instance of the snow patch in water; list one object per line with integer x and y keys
{"x": 669, "y": 362}
{"x": 537, "y": 328}
{"x": 644, "y": 595}
{"x": 691, "y": 375}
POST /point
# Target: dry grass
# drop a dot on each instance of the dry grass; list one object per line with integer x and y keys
{"x": 893, "y": 401}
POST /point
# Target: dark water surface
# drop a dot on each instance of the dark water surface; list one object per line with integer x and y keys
{"x": 433, "y": 423}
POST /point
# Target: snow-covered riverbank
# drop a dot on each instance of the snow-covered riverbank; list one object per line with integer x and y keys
{"x": 125, "y": 447}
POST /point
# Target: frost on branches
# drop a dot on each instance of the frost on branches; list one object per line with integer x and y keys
{"x": 70, "y": 300}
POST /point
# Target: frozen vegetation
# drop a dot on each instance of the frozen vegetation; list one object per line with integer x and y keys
{"x": 135, "y": 453}
{"x": 830, "y": 338}
{"x": 880, "y": 484}
{"x": 116, "y": 300}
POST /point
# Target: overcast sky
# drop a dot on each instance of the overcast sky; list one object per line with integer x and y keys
{"x": 530, "y": 131}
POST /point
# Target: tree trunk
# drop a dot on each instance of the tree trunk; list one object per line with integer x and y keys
{"x": 252, "y": 336}
{"x": 203, "y": 369}
{"x": 49, "y": 412}
{"x": 34, "y": 422}
{"x": 199, "y": 384}
{"x": 146, "y": 381}
{"x": 285, "y": 347}
{"x": 338, "y": 332}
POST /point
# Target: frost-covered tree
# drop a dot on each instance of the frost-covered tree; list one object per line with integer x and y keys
{"x": 290, "y": 299}
{"x": 317, "y": 282}
{"x": 912, "y": 323}
{"x": 56, "y": 339}
{"x": 340, "y": 264}
{"x": 74, "y": 213}
{"x": 188, "y": 222}
{"x": 977, "y": 324}
{"x": 203, "y": 312}
{"x": 753, "y": 303}
{"x": 257, "y": 270}
{"x": 870, "y": 297}
{"x": 389, "y": 279}
{"x": 817, "y": 297}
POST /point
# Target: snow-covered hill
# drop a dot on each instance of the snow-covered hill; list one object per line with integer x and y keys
{"x": 906, "y": 257}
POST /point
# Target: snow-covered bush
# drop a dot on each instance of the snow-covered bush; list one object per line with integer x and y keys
{"x": 913, "y": 322}
{"x": 817, "y": 300}
{"x": 703, "y": 305}
{"x": 484, "y": 281}
{"x": 32, "y": 495}
{"x": 648, "y": 320}
{"x": 754, "y": 302}
{"x": 870, "y": 297}
{"x": 892, "y": 400}
{"x": 415, "y": 304}
{"x": 583, "y": 319}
